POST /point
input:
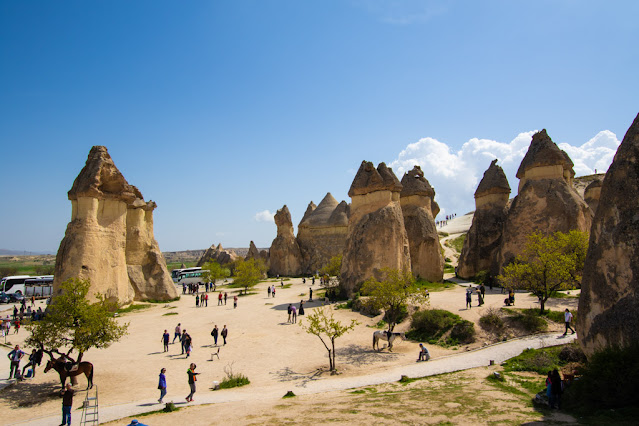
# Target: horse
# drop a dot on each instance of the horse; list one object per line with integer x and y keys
{"x": 84, "y": 367}
{"x": 383, "y": 335}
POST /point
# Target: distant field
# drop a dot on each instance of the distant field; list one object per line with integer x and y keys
{"x": 27, "y": 265}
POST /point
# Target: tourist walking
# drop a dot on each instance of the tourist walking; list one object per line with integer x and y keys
{"x": 219, "y": 298}
{"x": 224, "y": 333}
{"x": 301, "y": 307}
{"x": 234, "y": 302}
{"x": 310, "y": 294}
{"x": 178, "y": 333}
{"x": 165, "y": 338}
{"x": 197, "y": 300}
{"x": 183, "y": 341}
{"x": 568, "y": 320}
{"x": 206, "y": 300}
{"x": 214, "y": 333}
{"x": 67, "y": 402}
{"x": 273, "y": 290}
{"x": 34, "y": 359}
{"x": 16, "y": 326}
{"x": 294, "y": 311}
{"x": 468, "y": 299}
{"x": 188, "y": 345}
{"x": 268, "y": 291}
{"x": 192, "y": 379}
{"x": 14, "y": 357}
{"x": 480, "y": 298}
{"x": 225, "y": 296}
{"x": 482, "y": 290}
{"x": 290, "y": 312}
{"x": 162, "y": 385}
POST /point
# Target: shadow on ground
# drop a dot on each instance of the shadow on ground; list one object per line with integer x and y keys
{"x": 359, "y": 356}
{"x": 288, "y": 375}
{"x": 25, "y": 394}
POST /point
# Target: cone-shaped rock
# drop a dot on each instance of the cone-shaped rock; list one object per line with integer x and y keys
{"x": 322, "y": 233}
{"x": 110, "y": 237}
{"x": 218, "y": 254}
{"x": 416, "y": 197}
{"x": 285, "y": 256}
{"x": 547, "y": 200}
{"x": 609, "y": 301}
{"x": 483, "y": 240}
{"x": 376, "y": 234}
{"x": 253, "y": 252}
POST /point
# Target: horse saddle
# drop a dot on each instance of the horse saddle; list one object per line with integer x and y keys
{"x": 70, "y": 367}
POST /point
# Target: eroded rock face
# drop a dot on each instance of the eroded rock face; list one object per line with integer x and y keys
{"x": 110, "y": 237}
{"x": 376, "y": 233}
{"x": 546, "y": 201}
{"x": 483, "y": 239}
{"x": 253, "y": 252}
{"x": 609, "y": 302}
{"x": 322, "y": 233}
{"x": 593, "y": 193}
{"x": 218, "y": 254}
{"x": 416, "y": 200}
{"x": 285, "y": 256}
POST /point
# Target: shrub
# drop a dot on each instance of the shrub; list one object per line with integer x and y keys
{"x": 289, "y": 394}
{"x": 491, "y": 320}
{"x": 530, "y": 321}
{"x": 432, "y": 324}
{"x": 462, "y": 332}
{"x": 233, "y": 380}
{"x": 403, "y": 313}
{"x": 572, "y": 353}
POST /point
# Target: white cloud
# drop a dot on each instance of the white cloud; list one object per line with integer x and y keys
{"x": 455, "y": 175}
{"x": 264, "y": 216}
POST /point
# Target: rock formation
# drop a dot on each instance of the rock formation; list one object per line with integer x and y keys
{"x": 285, "y": 256}
{"x": 110, "y": 237}
{"x": 376, "y": 234}
{"x": 253, "y": 252}
{"x": 416, "y": 200}
{"x": 609, "y": 302}
{"x": 592, "y": 194}
{"x": 483, "y": 239}
{"x": 218, "y": 254}
{"x": 322, "y": 233}
{"x": 546, "y": 200}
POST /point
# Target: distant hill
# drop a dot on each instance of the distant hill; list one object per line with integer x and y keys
{"x": 6, "y": 252}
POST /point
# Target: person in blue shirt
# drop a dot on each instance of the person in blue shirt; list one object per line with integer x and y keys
{"x": 162, "y": 385}
{"x": 15, "y": 356}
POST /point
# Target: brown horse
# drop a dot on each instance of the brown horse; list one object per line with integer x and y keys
{"x": 59, "y": 366}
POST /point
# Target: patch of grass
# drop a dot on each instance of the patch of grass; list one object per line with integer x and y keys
{"x": 250, "y": 293}
{"x": 289, "y": 394}
{"x": 434, "y": 286}
{"x": 168, "y": 408}
{"x": 530, "y": 320}
{"x": 442, "y": 233}
{"x": 347, "y": 305}
{"x": 448, "y": 268}
{"x": 268, "y": 304}
{"x": 175, "y": 299}
{"x": 358, "y": 391}
{"x": 169, "y": 313}
{"x": 537, "y": 360}
{"x": 132, "y": 308}
{"x": 233, "y": 380}
{"x": 380, "y": 324}
{"x": 456, "y": 243}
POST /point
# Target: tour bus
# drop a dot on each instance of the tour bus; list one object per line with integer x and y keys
{"x": 186, "y": 275}
{"x": 14, "y": 284}
{"x": 39, "y": 286}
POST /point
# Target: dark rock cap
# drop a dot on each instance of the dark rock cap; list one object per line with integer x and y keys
{"x": 543, "y": 152}
{"x": 494, "y": 181}
{"x": 101, "y": 179}
{"x": 368, "y": 179}
{"x": 414, "y": 183}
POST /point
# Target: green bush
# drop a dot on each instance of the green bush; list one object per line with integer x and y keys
{"x": 432, "y": 324}
{"x": 403, "y": 313}
{"x": 530, "y": 321}
{"x": 233, "y": 380}
{"x": 492, "y": 321}
{"x": 538, "y": 360}
{"x": 463, "y": 332}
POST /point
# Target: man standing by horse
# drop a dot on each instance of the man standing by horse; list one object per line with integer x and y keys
{"x": 15, "y": 356}
{"x": 67, "y": 402}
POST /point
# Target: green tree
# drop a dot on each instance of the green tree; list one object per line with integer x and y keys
{"x": 548, "y": 264}
{"x": 393, "y": 293}
{"x": 322, "y": 324}
{"x": 248, "y": 273}
{"x": 212, "y": 271}
{"x": 73, "y": 324}
{"x": 333, "y": 267}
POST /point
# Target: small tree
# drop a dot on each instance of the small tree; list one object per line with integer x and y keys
{"x": 212, "y": 271}
{"x": 322, "y": 324}
{"x": 73, "y": 324}
{"x": 548, "y": 264}
{"x": 248, "y": 273}
{"x": 333, "y": 267}
{"x": 392, "y": 294}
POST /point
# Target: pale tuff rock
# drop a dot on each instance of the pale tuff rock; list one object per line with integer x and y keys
{"x": 110, "y": 237}
{"x": 376, "y": 233}
{"x": 593, "y": 193}
{"x": 285, "y": 256}
{"x": 483, "y": 239}
{"x": 546, "y": 202}
{"x": 609, "y": 302}
{"x": 253, "y": 252}
{"x": 322, "y": 233}
{"x": 416, "y": 198}
{"x": 218, "y": 254}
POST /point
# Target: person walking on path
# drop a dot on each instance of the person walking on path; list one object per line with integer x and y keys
{"x": 290, "y": 312}
{"x": 192, "y": 379}
{"x": 424, "y": 355}
{"x": 15, "y": 356}
{"x": 165, "y": 338}
{"x": 310, "y": 294}
{"x": 206, "y": 300}
{"x": 188, "y": 345}
{"x": 468, "y": 298}
{"x": 197, "y": 300}
{"x": 482, "y": 290}
{"x": 219, "y": 299}
{"x": 16, "y": 327}
{"x": 273, "y": 290}
{"x": 294, "y": 311}
{"x": 301, "y": 307}
{"x": 178, "y": 333}
{"x": 480, "y": 298}
{"x": 183, "y": 341}
{"x": 224, "y": 333}
{"x": 215, "y": 333}
{"x": 234, "y": 302}
{"x": 268, "y": 291}
{"x": 225, "y": 296}
{"x": 162, "y": 385}
{"x": 67, "y": 402}
{"x": 568, "y": 320}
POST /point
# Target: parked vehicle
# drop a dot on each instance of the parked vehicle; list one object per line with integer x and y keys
{"x": 16, "y": 297}
{"x": 4, "y": 297}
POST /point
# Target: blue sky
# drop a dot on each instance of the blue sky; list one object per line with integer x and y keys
{"x": 220, "y": 110}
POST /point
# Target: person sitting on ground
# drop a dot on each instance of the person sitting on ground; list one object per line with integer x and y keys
{"x": 424, "y": 355}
